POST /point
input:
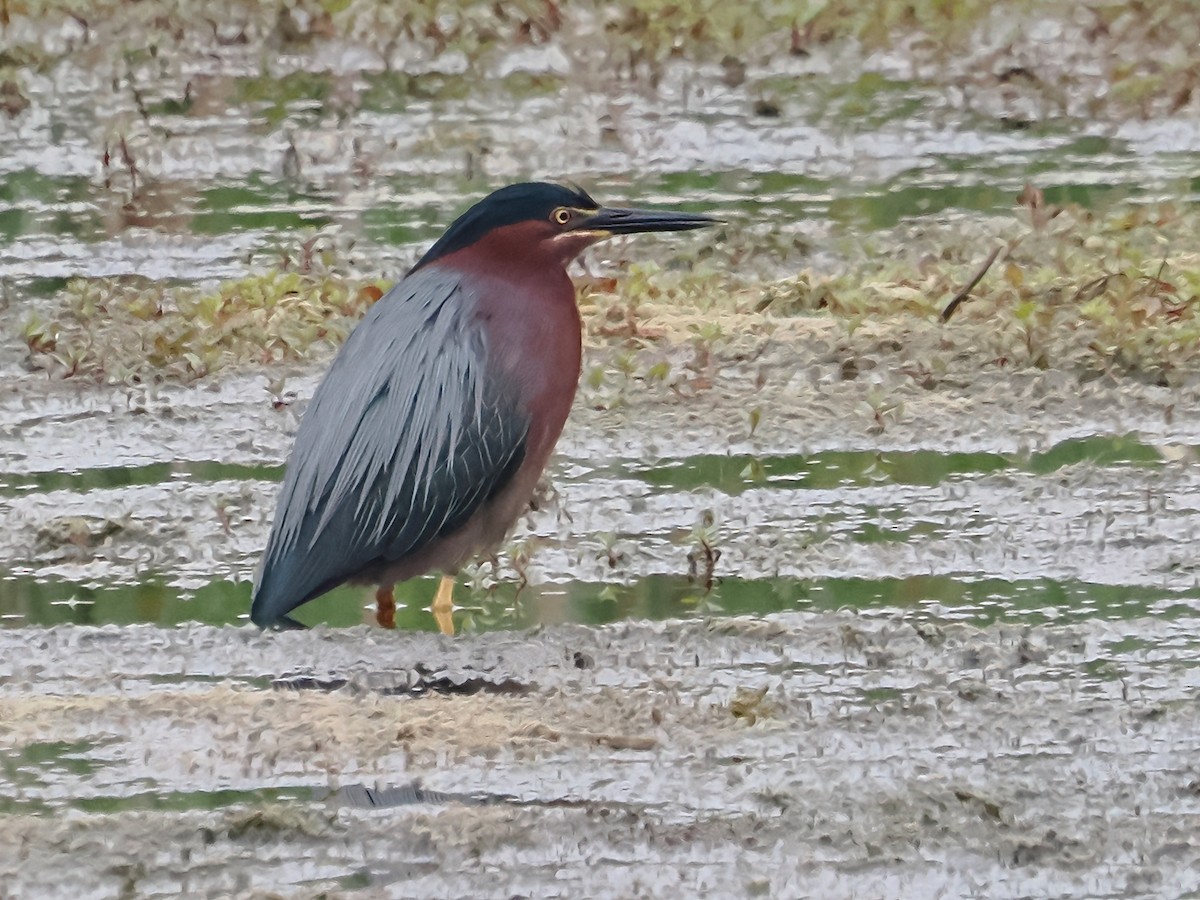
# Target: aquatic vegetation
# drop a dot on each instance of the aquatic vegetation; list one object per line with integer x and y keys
{"x": 277, "y": 95}
{"x": 1102, "y": 292}
{"x": 1113, "y": 292}
{"x": 126, "y": 330}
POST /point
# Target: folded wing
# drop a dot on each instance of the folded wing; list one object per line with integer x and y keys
{"x": 404, "y": 439}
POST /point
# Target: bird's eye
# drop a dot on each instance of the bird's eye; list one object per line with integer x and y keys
{"x": 562, "y": 215}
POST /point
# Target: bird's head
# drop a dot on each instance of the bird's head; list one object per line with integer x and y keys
{"x": 549, "y": 221}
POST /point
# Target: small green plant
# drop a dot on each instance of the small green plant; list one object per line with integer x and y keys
{"x": 134, "y": 331}
{"x": 705, "y": 554}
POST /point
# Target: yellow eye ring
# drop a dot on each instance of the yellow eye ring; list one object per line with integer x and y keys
{"x": 562, "y": 215}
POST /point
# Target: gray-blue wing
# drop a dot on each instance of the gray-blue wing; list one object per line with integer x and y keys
{"x": 404, "y": 439}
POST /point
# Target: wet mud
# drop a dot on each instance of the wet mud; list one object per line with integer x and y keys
{"x": 992, "y": 689}
{"x": 991, "y": 473}
{"x": 949, "y": 648}
{"x": 824, "y": 754}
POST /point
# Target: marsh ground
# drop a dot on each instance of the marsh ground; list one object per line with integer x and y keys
{"x": 949, "y": 644}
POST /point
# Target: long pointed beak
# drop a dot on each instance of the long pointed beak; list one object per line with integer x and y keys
{"x": 614, "y": 220}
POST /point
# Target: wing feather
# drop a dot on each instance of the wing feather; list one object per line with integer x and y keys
{"x": 404, "y": 439}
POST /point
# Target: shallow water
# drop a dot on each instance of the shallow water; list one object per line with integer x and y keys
{"x": 1026, "y": 536}
{"x": 864, "y": 155}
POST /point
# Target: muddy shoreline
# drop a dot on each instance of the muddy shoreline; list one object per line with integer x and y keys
{"x": 800, "y": 754}
{"x": 886, "y": 751}
{"x": 181, "y": 479}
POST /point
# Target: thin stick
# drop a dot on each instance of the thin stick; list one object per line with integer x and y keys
{"x": 967, "y": 288}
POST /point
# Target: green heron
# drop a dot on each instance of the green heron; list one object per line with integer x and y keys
{"x": 424, "y": 442}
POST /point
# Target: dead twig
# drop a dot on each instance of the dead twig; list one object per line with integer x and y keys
{"x": 970, "y": 285}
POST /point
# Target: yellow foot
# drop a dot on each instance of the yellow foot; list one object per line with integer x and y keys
{"x": 443, "y": 605}
{"x": 385, "y": 607}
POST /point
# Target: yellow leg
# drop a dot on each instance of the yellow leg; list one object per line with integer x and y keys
{"x": 385, "y": 607}
{"x": 443, "y": 605}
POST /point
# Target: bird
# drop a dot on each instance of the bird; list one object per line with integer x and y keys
{"x": 425, "y": 440}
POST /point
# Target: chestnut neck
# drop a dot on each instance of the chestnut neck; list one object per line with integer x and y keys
{"x": 520, "y": 253}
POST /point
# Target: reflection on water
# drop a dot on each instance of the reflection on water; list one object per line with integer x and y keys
{"x": 734, "y": 473}
{"x": 30, "y": 799}
{"x": 145, "y": 731}
{"x": 126, "y": 476}
{"x": 47, "y": 220}
{"x": 573, "y": 590}
{"x": 28, "y": 601}
{"x": 731, "y": 473}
